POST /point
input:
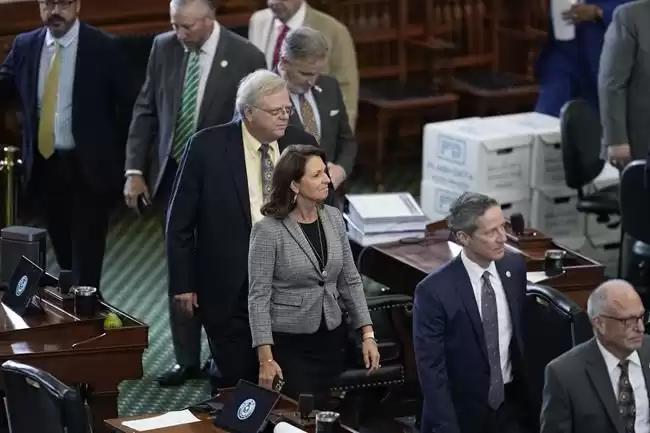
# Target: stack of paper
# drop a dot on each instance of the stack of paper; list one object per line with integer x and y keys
{"x": 170, "y": 419}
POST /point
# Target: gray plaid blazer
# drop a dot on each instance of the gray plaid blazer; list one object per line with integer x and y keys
{"x": 287, "y": 291}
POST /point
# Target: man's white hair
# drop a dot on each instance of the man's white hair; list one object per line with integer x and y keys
{"x": 256, "y": 85}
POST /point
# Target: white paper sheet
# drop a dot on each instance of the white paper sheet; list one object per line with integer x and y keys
{"x": 169, "y": 419}
{"x": 536, "y": 277}
{"x": 285, "y": 427}
{"x": 563, "y": 30}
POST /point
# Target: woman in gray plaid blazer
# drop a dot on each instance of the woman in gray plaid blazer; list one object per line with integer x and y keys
{"x": 300, "y": 267}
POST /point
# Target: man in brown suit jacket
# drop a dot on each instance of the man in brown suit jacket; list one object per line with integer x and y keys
{"x": 268, "y": 28}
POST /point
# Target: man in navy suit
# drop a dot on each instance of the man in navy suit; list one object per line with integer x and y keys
{"x": 467, "y": 329}
{"x": 76, "y": 99}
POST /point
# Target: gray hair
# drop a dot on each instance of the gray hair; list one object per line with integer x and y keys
{"x": 304, "y": 43}
{"x": 466, "y": 209}
{"x": 207, "y": 5}
{"x": 597, "y": 301}
{"x": 256, "y": 85}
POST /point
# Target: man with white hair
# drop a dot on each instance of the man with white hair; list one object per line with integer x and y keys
{"x": 223, "y": 180}
{"x": 602, "y": 385}
{"x": 191, "y": 82}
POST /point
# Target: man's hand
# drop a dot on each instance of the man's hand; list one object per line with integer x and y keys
{"x": 135, "y": 186}
{"x": 582, "y": 12}
{"x": 337, "y": 174}
{"x": 619, "y": 155}
{"x": 187, "y": 302}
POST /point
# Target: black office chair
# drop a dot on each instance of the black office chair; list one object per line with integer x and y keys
{"x": 635, "y": 223}
{"x": 553, "y": 324}
{"x": 38, "y": 402}
{"x": 581, "y": 136}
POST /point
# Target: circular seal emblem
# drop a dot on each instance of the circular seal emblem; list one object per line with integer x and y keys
{"x": 246, "y": 409}
{"x": 22, "y": 285}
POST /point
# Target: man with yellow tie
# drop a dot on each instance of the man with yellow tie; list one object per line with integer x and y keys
{"x": 76, "y": 97}
{"x": 317, "y": 99}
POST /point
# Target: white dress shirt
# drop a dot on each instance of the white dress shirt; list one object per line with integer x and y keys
{"x": 635, "y": 372}
{"x": 294, "y": 22}
{"x": 206, "y": 58}
{"x": 475, "y": 272}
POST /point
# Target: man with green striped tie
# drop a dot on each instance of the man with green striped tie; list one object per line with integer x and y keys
{"x": 191, "y": 83}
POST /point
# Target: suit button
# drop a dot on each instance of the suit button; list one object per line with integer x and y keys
{"x": 321, "y": 283}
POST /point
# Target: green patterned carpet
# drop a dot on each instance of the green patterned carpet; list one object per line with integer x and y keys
{"x": 135, "y": 280}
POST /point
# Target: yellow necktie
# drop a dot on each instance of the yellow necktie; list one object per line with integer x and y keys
{"x": 48, "y": 106}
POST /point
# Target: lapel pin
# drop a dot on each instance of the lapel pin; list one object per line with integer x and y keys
{"x": 508, "y": 274}
{"x": 318, "y": 89}
{"x": 224, "y": 63}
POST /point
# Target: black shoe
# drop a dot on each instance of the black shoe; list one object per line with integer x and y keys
{"x": 178, "y": 375}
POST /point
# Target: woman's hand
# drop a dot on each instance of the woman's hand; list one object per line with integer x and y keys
{"x": 370, "y": 354}
{"x": 268, "y": 370}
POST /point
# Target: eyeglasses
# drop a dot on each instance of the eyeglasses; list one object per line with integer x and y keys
{"x": 630, "y": 322}
{"x": 50, "y": 4}
{"x": 276, "y": 112}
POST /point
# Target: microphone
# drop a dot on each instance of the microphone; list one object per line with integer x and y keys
{"x": 517, "y": 223}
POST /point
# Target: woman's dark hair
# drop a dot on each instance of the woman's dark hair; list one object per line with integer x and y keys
{"x": 290, "y": 168}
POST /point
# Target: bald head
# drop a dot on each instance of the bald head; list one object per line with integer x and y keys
{"x": 610, "y": 297}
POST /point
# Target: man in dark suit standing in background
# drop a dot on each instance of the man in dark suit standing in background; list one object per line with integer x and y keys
{"x": 467, "y": 329}
{"x": 76, "y": 97}
{"x": 317, "y": 99}
{"x": 222, "y": 182}
{"x": 602, "y": 385}
{"x": 191, "y": 82}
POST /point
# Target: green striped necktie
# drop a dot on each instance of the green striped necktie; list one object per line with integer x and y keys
{"x": 186, "y": 116}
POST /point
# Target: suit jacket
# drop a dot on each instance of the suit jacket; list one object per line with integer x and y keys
{"x": 342, "y": 56}
{"x": 154, "y": 114}
{"x": 623, "y": 79}
{"x": 578, "y": 394}
{"x": 450, "y": 346}
{"x": 288, "y": 292}
{"x": 336, "y": 138}
{"x": 103, "y": 96}
{"x": 209, "y": 219}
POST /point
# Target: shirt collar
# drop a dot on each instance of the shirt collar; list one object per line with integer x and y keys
{"x": 64, "y": 40}
{"x": 210, "y": 45}
{"x": 252, "y": 143}
{"x": 612, "y": 362}
{"x": 297, "y": 20}
{"x": 474, "y": 270}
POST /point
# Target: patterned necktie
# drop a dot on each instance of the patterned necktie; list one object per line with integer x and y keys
{"x": 490, "y": 318}
{"x": 186, "y": 116}
{"x": 308, "y": 117}
{"x": 626, "y": 405}
{"x": 278, "y": 45}
{"x": 267, "y": 170}
{"x": 48, "y": 105}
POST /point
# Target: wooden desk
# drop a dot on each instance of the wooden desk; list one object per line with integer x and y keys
{"x": 77, "y": 350}
{"x": 205, "y": 425}
{"x": 400, "y": 266}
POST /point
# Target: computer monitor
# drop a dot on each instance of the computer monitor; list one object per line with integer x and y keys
{"x": 23, "y": 285}
{"x": 248, "y": 410}
{"x": 38, "y": 402}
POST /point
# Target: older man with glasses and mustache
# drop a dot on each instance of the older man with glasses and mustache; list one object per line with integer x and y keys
{"x": 76, "y": 97}
{"x": 191, "y": 81}
{"x": 223, "y": 180}
{"x": 602, "y": 385}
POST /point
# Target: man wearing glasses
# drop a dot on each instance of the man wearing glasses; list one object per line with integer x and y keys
{"x": 76, "y": 97}
{"x": 222, "y": 182}
{"x": 602, "y": 385}
{"x": 191, "y": 81}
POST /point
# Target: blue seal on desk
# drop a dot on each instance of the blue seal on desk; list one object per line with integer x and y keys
{"x": 22, "y": 285}
{"x": 246, "y": 409}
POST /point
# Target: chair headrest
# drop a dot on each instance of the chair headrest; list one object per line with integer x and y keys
{"x": 581, "y": 136}
{"x": 554, "y": 298}
{"x": 633, "y": 196}
{"x": 53, "y": 385}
